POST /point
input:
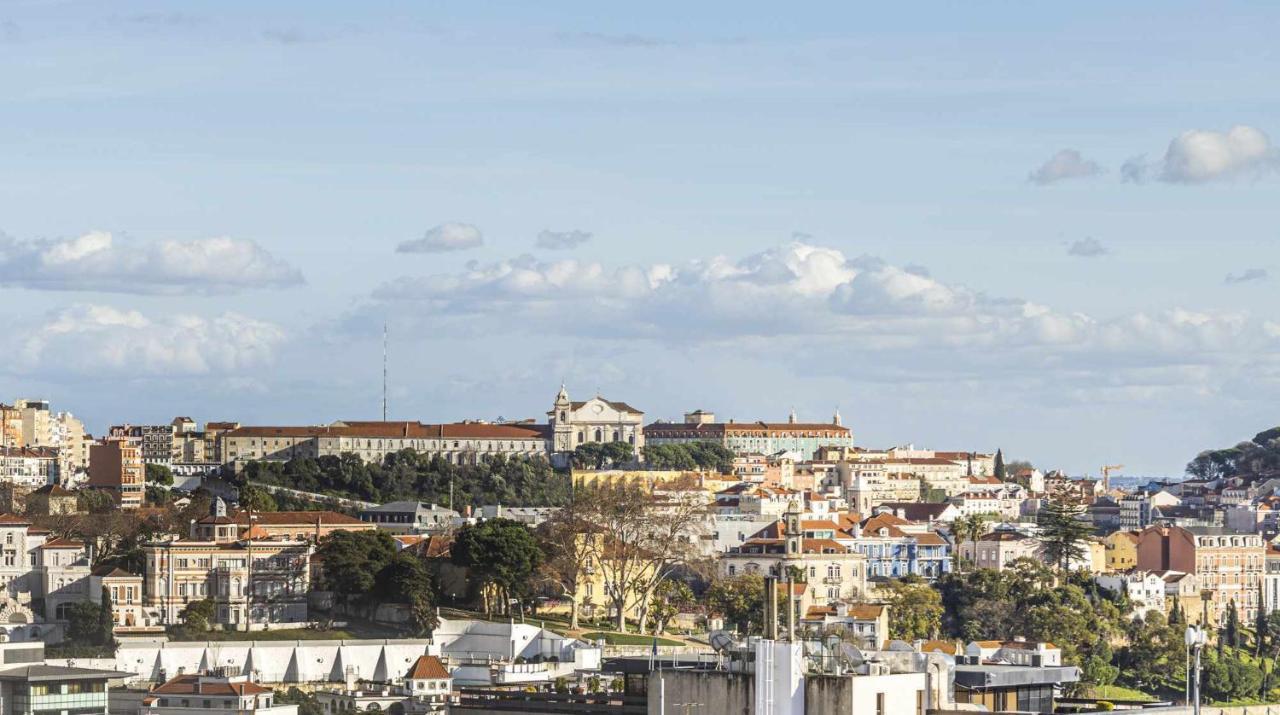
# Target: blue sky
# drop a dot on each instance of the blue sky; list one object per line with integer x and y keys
{"x": 809, "y": 206}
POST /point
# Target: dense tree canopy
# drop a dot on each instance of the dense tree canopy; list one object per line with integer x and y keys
{"x": 353, "y": 560}
{"x": 495, "y": 479}
{"x": 915, "y": 609}
{"x": 501, "y": 554}
{"x": 689, "y": 456}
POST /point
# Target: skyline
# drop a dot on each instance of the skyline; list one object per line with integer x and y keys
{"x": 1035, "y": 229}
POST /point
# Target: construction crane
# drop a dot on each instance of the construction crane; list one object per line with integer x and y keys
{"x": 1106, "y": 475}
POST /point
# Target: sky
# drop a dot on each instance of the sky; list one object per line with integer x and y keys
{"x": 1050, "y": 229}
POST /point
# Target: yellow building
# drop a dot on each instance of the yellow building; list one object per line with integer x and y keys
{"x": 1122, "y": 551}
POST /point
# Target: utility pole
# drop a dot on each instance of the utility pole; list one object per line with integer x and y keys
{"x": 384, "y": 371}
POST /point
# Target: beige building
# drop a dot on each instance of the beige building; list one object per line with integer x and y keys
{"x": 310, "y": 526}
{"x": 834, "y": 571}
{"x": 253, "y": 579}
{"x": 116, "y": 466}
{"x": 573, "y": 424}
{"x": 458, "y": 443}
{"x": 29, "y": 466}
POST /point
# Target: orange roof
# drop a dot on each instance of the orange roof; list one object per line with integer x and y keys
{"x": 427, "y": 667}
{"x": 296, "y": 518}
{"x": 195, "y": 684}
{"x": 939, "y": 647}
{"x": 62, "y": 544}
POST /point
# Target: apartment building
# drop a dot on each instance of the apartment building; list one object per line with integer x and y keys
{"x": 997, "y": 549}
{"x": 29, "y": 466}
{"x": 154, "y": 442}
{"x": 116, "y": 465}
{"x": 1228, "y": 565}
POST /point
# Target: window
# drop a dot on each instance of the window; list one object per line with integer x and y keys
{"x": 880, "y": 704}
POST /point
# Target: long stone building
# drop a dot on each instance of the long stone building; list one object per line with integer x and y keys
{"x": 803, "y": 438}
{"x": 459, "y": 442}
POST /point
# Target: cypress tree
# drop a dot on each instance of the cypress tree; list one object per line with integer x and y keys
{"x": 1260, "y": 626}
{"x": 999, "y": 466}
{"x": 1233, "y": 625}
{"x": 106, "y": 624}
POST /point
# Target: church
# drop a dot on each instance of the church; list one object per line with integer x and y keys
{"x": 595, "y": 420}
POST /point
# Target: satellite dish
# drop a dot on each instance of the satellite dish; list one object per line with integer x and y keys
{"x": 722, "y": 641}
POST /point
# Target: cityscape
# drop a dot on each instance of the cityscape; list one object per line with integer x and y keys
{"x": 578, "y": 558}
{"x": 570, "y": 358}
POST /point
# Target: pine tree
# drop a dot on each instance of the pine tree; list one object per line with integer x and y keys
{"x": 1063, "y": 535}
{"x": 999, "y": 466}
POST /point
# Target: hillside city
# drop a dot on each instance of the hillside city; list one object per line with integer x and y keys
{"x": 597, "y": 560}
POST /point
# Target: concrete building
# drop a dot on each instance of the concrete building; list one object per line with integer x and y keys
{"x": 116, "y": 466}
{"x": 804, "y": 439}
{"x": 409, "y": 517}
{"x": 597, "y": 420}
{"x": 1229, "y": 566}
{"x": 34, "y": 688}
{"x": 1145, "y": 589}
{"x": 997, "y": 549}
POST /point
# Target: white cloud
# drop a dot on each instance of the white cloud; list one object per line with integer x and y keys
{"x": 97, "y": 261}
{"x": 1198, "y": 156}
{"x": 1066, "y": 164}
{"x": 562, "y": 240}
{"x": 99, "y": 339}
{"x": 796, "y": 291}
{"x": 445, "y": 237}
{"x": 1088, "y": 247}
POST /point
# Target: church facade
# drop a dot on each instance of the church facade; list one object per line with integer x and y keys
{"x": 573, "y": 424}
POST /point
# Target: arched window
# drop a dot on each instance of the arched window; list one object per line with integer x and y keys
{"x": 599, "y": 435}
{"x": 617, "y": 436}
{"x": 581, "y": 437}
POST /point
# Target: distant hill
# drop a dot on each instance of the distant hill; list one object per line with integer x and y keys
{"x": 1258, "y": 457}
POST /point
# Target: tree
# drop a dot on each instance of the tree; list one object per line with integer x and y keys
{"x": 83, "y": 623}
{"x": 1063, "y": 533}
{"x": 570, "y": 544}
{"x": 253, "y": 498}
{"x": 159, "y": 474}
{"x": 739, "y": 600}
{"x": 502, "y": 556}
{"x": 999, "y": 471}
{"x": 643, "y": 540}
{"x": 969, "y": 528}
{"x": 307, "y": 703}
{"x": 106, "y": 619}
{"x": 352, "y": 561}
{"x": 1261, "y": 626}
{"x": 668, "y": 599}
{"x": 915, "y": 609}
{"x": 1231, "y": 629}
{"x": 95, "y": 501}
{"x": 198, "y": 615}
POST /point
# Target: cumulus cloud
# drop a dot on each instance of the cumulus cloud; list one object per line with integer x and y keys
{"x": 562, "y": 240}
{"x": 1066, "y": 164}
{"x": 795, "y": 292}
{"x": 97, "y": 261}
{"x": 1088, "y": 247}
{"x": 1199, "y": 156}
{"x": 93, "y": 339}
{"x": 445, "y": 237}
{"x": 1248, "y": 275}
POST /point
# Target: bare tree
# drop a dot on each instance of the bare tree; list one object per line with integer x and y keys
{"x": 570, "y": 542}
{"x": 643, "y": 538}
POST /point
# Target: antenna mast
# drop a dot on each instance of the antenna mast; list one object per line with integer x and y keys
{"x": 384, "y": 371}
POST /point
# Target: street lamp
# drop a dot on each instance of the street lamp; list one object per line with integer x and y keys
{"x": 1196, "y": 639}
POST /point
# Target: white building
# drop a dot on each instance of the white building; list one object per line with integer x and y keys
{"x": 196, "y": 693}
{"x": 1146, "y": 590}
{"x": 596, "y": 420}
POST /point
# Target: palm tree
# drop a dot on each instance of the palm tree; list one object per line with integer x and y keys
{"x": 971, "y": 527}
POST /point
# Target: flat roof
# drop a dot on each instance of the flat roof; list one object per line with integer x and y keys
{"x": 32, "y": 673}
{"x": 978, "y": 677}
